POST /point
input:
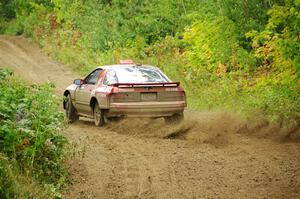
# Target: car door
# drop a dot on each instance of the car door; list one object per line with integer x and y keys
{"x": 83, "y": 93}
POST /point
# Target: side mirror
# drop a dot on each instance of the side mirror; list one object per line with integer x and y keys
{"x": 78, "y": 82}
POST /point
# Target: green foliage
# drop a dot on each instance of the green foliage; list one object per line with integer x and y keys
{"x": 213, "y": 43}
{"x": 5, "y": 73}
{"x": 233, "y": 54}
{"x": 31, "y": 17}
{"x": 7, "y": 181}
{"x": 29, "y": 132}
{"x": 7, "y": 9}
{"x": 278, "y": 45}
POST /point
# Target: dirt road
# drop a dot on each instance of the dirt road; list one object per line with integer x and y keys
{"x": 210, "y": 155}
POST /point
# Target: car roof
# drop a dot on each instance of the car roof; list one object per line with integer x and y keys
{"x": 126, "y": 66}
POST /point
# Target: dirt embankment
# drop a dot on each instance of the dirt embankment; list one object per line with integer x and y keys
{"x": 209, "y": 155}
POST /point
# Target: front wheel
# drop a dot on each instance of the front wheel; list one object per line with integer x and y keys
{"x": 176, "y": 118}
{"x": 71, "y": 113}
{"x": 99, "y": 118}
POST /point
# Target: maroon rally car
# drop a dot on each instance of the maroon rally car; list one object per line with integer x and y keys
{"x": 127, "y": 89}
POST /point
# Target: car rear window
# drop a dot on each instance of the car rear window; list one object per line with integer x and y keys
{"x": 135, "y": 75}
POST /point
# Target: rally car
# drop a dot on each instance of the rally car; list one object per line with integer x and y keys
{"x": 124, "y": 90}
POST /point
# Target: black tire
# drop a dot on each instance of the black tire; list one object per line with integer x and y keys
{"x": 176, "y": 118}
{"x": 71, "y": 112}
{"x": 99, "y": 118}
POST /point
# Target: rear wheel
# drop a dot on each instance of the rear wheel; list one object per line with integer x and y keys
{"x": 99, "y": 118}
{"x": 176, "y": 118}
{"x": 71, "y": 112}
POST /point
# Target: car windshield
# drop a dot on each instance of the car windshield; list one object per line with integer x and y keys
{"x": 135, "y": 75}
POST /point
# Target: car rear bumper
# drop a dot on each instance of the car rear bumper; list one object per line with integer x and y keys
{"x": 146, "y": 109}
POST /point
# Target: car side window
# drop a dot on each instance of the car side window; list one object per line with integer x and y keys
{"x": 93, "y": 77}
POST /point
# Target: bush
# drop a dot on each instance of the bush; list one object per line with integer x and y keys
{"x": 214, "y": 43}
{"x": 29, "y": 132}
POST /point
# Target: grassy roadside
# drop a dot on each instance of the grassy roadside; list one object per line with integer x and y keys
{"x": 31, "y": 146}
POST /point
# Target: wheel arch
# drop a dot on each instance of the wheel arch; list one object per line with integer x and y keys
{"x": 93, "y": 101}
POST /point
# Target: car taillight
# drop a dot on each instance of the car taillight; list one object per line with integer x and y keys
{"x": 115, "y": 90}
{"x": 122, "y": 90}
